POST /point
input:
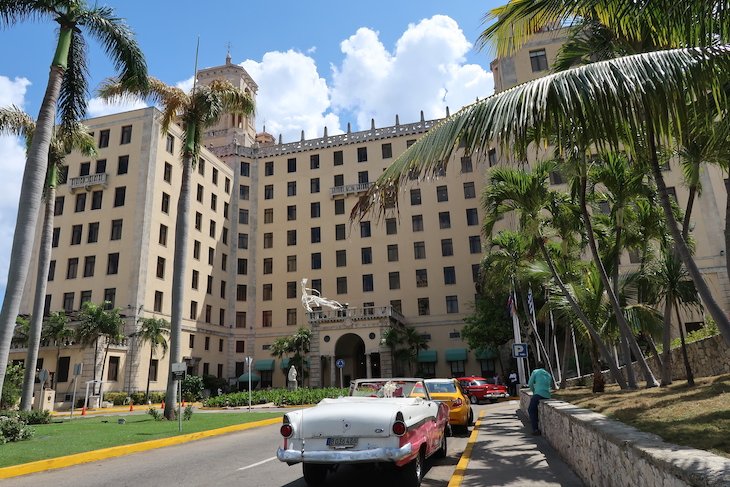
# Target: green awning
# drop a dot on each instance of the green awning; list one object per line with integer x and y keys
{"x": 286, "y": 362}
{"x": 244, "y": 377}
{"x": 486, "y": 354}
{"x": 455, "y": 354}
{"x": 427, "y": 356}
{"x": 264, "y": 364}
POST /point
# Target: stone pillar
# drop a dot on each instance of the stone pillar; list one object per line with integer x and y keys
{"x": 368, "y": 366}
{"x": 333, "y": 372}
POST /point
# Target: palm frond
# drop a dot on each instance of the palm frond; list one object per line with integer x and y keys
{"x": 13, "y": 120}
{"x": 74, "y": 87}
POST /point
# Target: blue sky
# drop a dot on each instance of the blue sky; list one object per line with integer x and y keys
{"x": 318, "y": 63}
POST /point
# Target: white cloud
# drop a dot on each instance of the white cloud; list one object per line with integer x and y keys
{"x": 292, "y": 96}
{"x": 425, "y": 72}
{"x": 186, "y": 85}
{"x": 98, "y": 107}
{"x": 12, "y": 153}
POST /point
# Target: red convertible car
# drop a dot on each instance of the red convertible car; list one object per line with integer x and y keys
{"x": 480, "y": 389}
{"x": 390, "y": 421}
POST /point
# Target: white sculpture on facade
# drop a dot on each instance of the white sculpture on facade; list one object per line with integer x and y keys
{"x": 311, "y": 298}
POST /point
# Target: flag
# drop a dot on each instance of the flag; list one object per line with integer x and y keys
{"x": 530, "y": 304}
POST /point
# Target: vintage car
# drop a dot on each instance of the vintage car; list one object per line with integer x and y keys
{"x": 386, "y": 421}
{"x": 449, "y": 392}
{"x": 479, "y": 388}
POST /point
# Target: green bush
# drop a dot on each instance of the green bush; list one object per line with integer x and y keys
{"x": 213, "y": 383}
{"x": 280, "y": 397}
{"x": 187, "y": 413}
{"x": 192, "y": 388}
{"x": 12, "y": 428}
{"x": 117, "y": 398}
{"x": 139, "y": 397}
{"x": 35, "y": 417}
{"x": 12, "y": 386}
{"x": 156, "y": 414}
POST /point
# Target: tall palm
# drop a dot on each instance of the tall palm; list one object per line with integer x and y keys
{"x": 609, "y": 100}
{"x": 415, "y": 342}
{"x": 65, "y": 139}
{"x": 154, "y": 331}
{"x": 67, "y": 87}
{"x": 56, "y": 330}
{"x": 195, "y": 112}
{"x": 528, "y": 194}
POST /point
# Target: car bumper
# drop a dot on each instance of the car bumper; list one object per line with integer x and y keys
{"x": 344, "y": 456}
{"x": 495, "y": 395}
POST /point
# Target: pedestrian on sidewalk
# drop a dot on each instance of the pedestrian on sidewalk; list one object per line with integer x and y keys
{"x": 539, "y": 384}
{"x": 513, "y": 382}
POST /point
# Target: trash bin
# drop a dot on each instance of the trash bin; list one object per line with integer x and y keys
{"x": 94, "y": 402}
{"x": 44, "y": 400}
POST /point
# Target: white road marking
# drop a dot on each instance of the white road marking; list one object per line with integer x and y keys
{"x": 257, "y": 464}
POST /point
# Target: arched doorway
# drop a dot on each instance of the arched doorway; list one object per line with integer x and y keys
{"x": 351, "y": 348}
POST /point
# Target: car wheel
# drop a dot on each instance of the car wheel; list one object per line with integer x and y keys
{"x": 441, "y": 452}
{"x": 412, "y": 472}
{"x": 473, "y": 400}
{"x": 314, "y": 473}
{"x": 470, "y": 420}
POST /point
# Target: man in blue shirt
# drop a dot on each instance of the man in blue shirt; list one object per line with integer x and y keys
{"x": 539, "y": 383}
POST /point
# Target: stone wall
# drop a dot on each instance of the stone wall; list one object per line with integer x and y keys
{"x": 608, "y": 453}
{"x": 707, "y": 357}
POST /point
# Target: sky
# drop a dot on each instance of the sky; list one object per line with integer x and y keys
{"x": 317, "y": 64}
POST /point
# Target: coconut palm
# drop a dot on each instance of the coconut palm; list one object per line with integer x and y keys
{"x": 97, "y": 321}
{"x": 393, "y": 339}
{"x": 21, "y": 331}
{"x": 67, "y": 87}
{"x": 66, "y": 138}
{"x": 154, "y": 331}
{"x": 56, "y": 330}
{"x": 200, "y": 109}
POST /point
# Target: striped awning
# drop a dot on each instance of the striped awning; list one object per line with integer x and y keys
{"x": 455, "y": 354}
{"x": 427, "y": 356}
{"x": 264, "y": 364}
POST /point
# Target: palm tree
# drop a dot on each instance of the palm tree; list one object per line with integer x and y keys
{"x": 195, "y": 112}
{"x": 56, "y": 330}
{"x": 604, "y": 98}
{"x": 98, "y": 321}
{"x": 67, "y": 87}
{"x": 65, "y": 139}
{"x": 21, "y": 332}
{"x": 393, "y": 339}
{"x": 154, "y": 331}
{"x": 414, "y": 342}
{"x": 298, "y": 344}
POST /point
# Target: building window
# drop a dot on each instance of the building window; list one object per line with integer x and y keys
{"x": 366, "y": 255}
{"x": 223, "y": 290}
{"x": 449, "y": 275}
{"x": 211, "y": 255}
{"x": 84, "y": 169}
{"x": 339, "y": 207}
{"x": 85, "y": 298}
{"x": 338, "y": 158}
{"x": 211, "y": 230}
{"x": 268, "y": 215}
{"x": 314, "y": 210}
{"x": 452, "y": 304}
{"x": 291, "y": 188}
{"x": 291, "y": 165}
{"x": 58, "y": 206}
{"x": 72, "y": 268}
{"x": 442, "y": 193}
{"x": 341, "y": 258}
{"x": 104, "y": 138}
{"x": 469, "y": 191}
{"x": 113, "y": 371}
{"x": 199, "y": 193}
{"x": 93, "y": 234}
{"x": 314, "y": 161}
{"x": 393, "y": 253}
{"x": 126, "y": 135}
{"x": 56, "y": 237}
{"x": 214, "y": 176}
{"x": 457, "y": 368}
{"x": 423, "y": 307}
{"x": 158, "y": 302}
{"x": 314, "y": 185}
{"x": 226, "y": 207}
{"x": 472, "y": 217}
{"x": 161, "y": 267}
{"x": 291, "y": 237}
{"x": 76, "y": 234}
{"x": 80, "y": 202}
{"x": 266, "y": 319}
{"x": 201, "y": 167}
{"x": 196, "y": 279}
{"x": 269, "y": 168}
{"x": 196, "y": 250}
{"x": 68, "y": 302}
{"x": 110, "y": 297}
{"x": 227, "y": 185}
{"x": 170, "y": 144}
{"x": 89, "y": 264}
{"x": 421, "y": 278}
{"x": 116, "y": 229}
{"x": 96, "y": 198}
{"x": 245, "y": 169}
{"x": 242, "y": 267}
{"x": 367, "y": 283}
{"x": 240, "y": 319}
{"x": 269, "y": 192}
{"x": 391, "y": 226}
{"x": 291, "y": 263}
{"x": 119, "y": 194}
{"x": 316, "y": 260}
{"x": 291, "y": 289}
{"x": 193, "y": 310}
{"x": 466, "y": 164}
{"x": 362, "y": 177}
{"x": 365, "y": 229}
{"x": 538, "y": 60}
{"x": 214, "y": 202}
{"x": 165, "y": 207}
{"x": 112, "y": 263}
{"x": 415, "y": 197}
{"x": 340, "y": 231}
{"x": 386, "y": 151}
{"x": 444, "y": 219}
{"x": 417, "y": 222}
{"x": 394, "y": 280}
{"x": 342, "y": 285}
{"x": 244, "y": 192}
{"x": 268, "y": 240}
{"x": 101, "y": 166}
{"x": 291, "y": 317}
{"x": 291, "y": 212}
{"x": 122, "y": 165}
{"x": 447, "y": 247}
{"x": 268, "y": 265}
{"x": 316, "y": 234}
{"x": 52, "y": 270}
{"x": 362, "y": 154}
{"x": 475, "y": 244}
{"x": 241, "y": 292}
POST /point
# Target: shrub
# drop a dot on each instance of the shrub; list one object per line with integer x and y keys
{"x": 213, "y": 383}
{"x": 188, "y": 413}
{"x": 117, "y": 398}
{"x": 280, "y": 397}
{"x": 12, "y": 386}
{"x": 192, "y": 388}
{"x": 35, "y": 417}
{"x": 156, "y": 414}
{"x": 12, "y": 428}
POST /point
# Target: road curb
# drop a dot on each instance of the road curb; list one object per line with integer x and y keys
{"x": 458, "y": 477}
{"x": 118, "y": 451}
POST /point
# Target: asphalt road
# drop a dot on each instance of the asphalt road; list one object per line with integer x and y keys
{"x": 245, "y": 459}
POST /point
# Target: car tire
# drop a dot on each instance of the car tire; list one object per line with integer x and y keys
{"x": 314, "y": 473}
{"x": 411, "y": 473}
{"x": 473, "y": 400}
{"x": 470, "y": 419}
{"x": 441, "y": 452}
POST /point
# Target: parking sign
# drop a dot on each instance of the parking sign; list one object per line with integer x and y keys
{"x": 519, "y": 350}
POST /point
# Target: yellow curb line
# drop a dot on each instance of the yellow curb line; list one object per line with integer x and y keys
{"x": 118, "y": 451}
{"x": 458, "y": 477}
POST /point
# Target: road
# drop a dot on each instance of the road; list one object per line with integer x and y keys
{"x": 246, "y": 459}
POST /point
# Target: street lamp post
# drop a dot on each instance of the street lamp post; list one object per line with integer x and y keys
{"x": 248, "y": 364}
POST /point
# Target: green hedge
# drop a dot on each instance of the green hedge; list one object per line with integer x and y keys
{"x": 280, "y": 397}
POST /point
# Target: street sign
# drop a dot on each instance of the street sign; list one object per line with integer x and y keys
{"x": 179, "y": 367}
{"x": 178, "y": 374}
{"x": 43, "y": 375}
{"x": 340, "y": 363}
{"x": 519, "y": 350}
{"x": 78, "y": 368}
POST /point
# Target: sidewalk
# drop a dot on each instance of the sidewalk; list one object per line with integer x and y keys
{"x": 505, "y": 453}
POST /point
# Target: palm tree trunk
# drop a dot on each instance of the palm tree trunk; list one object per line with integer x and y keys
{"x": 615, "y": 372}
{"x": 613, "y": 299}
{"x": 566, "y": 350}
{"x": 149, "y": 369}
{"x": 624, "y": 345}
{"x": 717, "y": 313}
{"x": 688, "y": 211}
{"x": 687, "y": 367}
{"x": 178, "y": 279}
{"x": 36, "y": 320}
{"x": 667, "y": 343}
{"x": 599, "y": 385}
{"x": 31, "y": 192}
{"x": 727, "y": 226}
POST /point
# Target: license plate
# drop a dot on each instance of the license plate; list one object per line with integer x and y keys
{"x": 342, "y": 441}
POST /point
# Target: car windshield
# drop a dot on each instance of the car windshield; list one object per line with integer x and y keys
{"x": 389, "y": 388}
{"x": 441, "y": 387}
{"x": 481, "y": 382}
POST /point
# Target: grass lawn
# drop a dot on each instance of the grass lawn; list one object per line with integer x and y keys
{"x": 696, "y": 416}
{"x": 64, "y": 437}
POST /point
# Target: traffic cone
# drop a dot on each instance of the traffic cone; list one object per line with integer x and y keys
{"x": 131, "y": 405}
{"x": 83, "y": 411}
{"x": 183, "y": 403}
{"x": 163, "y": 404}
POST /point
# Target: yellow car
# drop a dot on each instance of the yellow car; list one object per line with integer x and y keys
{"x": 450, "y": 393}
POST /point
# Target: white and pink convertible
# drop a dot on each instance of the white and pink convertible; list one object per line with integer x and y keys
{"x": 381, "y": 421}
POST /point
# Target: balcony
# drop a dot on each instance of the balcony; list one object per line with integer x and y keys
{"x": 350, "y": 189}
{"x": 87, "y": 181}
{"x": 355, "y": 314}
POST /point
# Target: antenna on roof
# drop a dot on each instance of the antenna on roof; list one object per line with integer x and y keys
{"x": 195, "y": 73}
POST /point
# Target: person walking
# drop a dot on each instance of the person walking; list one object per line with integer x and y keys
{"x": 539, "y": 384}
{"x": 513, "y": 382}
